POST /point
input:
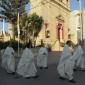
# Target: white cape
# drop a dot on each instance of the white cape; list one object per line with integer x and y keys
{"x": 79, "y": 58}
{"x": 2, "y": 52}
{"x": 8, "y": 60}
{"x": 42, "y": 57}
{"x": 26, "y": 66}
{"x": 66, "y": 64}
{"x": 65, "y": 54}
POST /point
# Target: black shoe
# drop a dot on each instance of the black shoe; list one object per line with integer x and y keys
{"x": 41, "y": 67}
{"x": 13, "y": 73}
{"x": 45, "y": 67}
{"x": 74, "y": 69}
{"x": 82, "y": 70}
{"x": 35, "y": 77}
{"x": 72, "y": 81}
{"x": 28, "y": 77}
{"x": 62, "y": 78}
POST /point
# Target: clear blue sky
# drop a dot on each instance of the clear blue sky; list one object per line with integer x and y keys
{"x": 1, "y": 26}
{"x": 74, "y": 5}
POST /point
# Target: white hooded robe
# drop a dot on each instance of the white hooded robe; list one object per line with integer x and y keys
{"x": 42, "y": 57}
{"x": 1, "y": 53}
{"x": 79, "y": 58}
{"x": 65, "y": 66}
{"x": 8, "y": 60}
{"x": 26, "y": 66}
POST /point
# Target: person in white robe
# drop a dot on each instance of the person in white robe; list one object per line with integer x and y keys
{"x": 79, "y": 58}
{"x": 66, "y": 63}
{"x": 26, "y": 66}
{"x": 8, "y": 60}
{"x": 42, "y": 57}
{"x": 2, "y": 52}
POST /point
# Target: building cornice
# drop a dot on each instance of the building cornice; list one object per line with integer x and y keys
{"x": 60, "y": 4}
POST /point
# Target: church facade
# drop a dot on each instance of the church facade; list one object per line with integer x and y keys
{"x": 56, "y": 18}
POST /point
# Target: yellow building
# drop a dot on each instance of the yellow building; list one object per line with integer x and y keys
{"x": 56, "y": 18}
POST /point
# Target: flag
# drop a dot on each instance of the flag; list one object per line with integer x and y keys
{"x": 3, "y": 27}
{"x": 18, "y": 29}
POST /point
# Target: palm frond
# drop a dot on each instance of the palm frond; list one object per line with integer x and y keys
{"x": 10, "y": 8}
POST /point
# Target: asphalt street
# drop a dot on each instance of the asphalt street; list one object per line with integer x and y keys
{"x": 46, "y": 76}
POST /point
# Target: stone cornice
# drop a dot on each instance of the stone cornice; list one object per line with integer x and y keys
{"x": 60, "y": 4}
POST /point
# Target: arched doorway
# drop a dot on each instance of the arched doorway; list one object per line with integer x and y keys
{"x": 60, "y": 31}
{"x": 60, "y": 28}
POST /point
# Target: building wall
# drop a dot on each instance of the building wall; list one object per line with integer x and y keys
{"x": 83, "y": 17}
{"x": 54, "y": 12}
{"x": 75, "y": 25}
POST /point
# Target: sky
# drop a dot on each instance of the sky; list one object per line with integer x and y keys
{"x": 74, "y": 5}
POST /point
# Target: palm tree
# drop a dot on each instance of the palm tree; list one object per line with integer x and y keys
{"x": 10, "y": 8}
{"x": 35, "y": 26}
{"x": 24, "y": 25}
{"x": 30, "y": 26}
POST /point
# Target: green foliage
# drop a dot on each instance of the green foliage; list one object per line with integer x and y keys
{"x": 36, "y": 23}
{"x": 35, "y": 26}
{"x": 10, "y": 8}
{"x": 32, "y": 23}
{"x": 30, "y": 26}
{"x": 1, "y": 45}
{"x": 12, "y": 43}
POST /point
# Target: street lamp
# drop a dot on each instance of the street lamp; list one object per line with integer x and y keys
{"x": 81, "y": 21}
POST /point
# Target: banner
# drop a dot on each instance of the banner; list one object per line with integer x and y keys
{"x": 18, "y": 29}
{"x": 3, "y": 27}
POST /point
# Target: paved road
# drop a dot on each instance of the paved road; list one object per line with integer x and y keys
{"x": 47, "y": 76}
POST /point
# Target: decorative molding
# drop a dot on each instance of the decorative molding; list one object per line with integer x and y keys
{"x": 60, "y": 4}
{"x": 60, "y": 18}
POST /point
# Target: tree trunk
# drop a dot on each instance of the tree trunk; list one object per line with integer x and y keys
{"x": 33, "y": 39}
